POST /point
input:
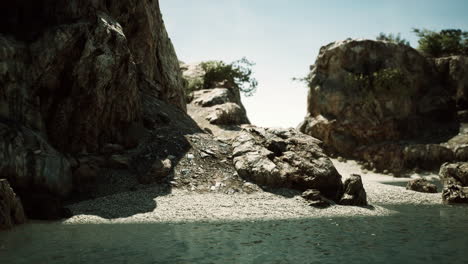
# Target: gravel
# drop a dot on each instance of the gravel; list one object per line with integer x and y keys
{"x": 153, "y": 205}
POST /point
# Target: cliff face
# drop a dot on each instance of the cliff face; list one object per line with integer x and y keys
{"x": 76, "y": 76}
{"x": 368, "y": 99}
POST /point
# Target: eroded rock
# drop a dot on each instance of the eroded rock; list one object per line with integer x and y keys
{"x": 354, "y": 193}
{"x": 421, "y": 185}
{"x": 365, "y": 95}
{"x": 11, "y": 208}
{"x": 454, "y": 176}
{"x": 285, "y": 158}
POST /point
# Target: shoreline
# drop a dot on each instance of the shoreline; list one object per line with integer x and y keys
{"x": 146, "y": 206}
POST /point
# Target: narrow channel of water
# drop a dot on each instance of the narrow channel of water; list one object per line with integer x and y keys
{"x": 414, "y": 234}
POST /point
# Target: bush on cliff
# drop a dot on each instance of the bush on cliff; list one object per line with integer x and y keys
{"x": 447, "y": 42}
{"x": 237, "y": 74}
{"x": 397, "y": 39}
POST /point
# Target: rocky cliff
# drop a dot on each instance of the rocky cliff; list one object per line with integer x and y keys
{"x": 385, "y": 103}
{"x": 76, "y": 76}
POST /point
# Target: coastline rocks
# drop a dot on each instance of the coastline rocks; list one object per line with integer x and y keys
{"x": 30, "y": 164}
{"x": 11, "y": 208}
{"x": 285, "y": 158}
{"x": 354, "y": 193}
{"x": 421, "y": 185}
{"x": 316, "y": 199}
{"x": 454, "y": 71}
{"x": 454, "y": 176}
{"x": 227, "y": 114}
{"x": 216, "y": 106}
{"x": 211, "y": 97}
{"x": 368, "y": 94}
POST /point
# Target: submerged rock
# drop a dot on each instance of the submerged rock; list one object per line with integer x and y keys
{"x": 354, "y": 193}
{"x": 11, "y": 208}
{"x": 421, "y": 185}
{"x": 285, "y": 158}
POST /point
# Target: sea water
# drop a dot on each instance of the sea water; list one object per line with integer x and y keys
{"x": 412, "y": 234}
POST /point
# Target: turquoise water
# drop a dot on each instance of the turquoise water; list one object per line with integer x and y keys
{"x": 413, "y": 234}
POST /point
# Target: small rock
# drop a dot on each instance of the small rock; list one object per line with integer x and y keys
{"x": 354, "y": 193}
{"x": 159, "y": 170}
{"x": 385, "y": 172}
{"x": 421, "y": 185}
{"x": 316, "y": 199}
{"x": 190, "y": 156}
{"x": 11, "y": 208}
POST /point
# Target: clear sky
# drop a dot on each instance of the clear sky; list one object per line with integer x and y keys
{"x": 283, "y": 38}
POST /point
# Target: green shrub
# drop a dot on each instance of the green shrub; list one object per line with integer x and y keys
{"x": 389, "y": 79}
{"x": 397, "y": 39}
{"x": 447, "y": 42}
{"x": 237, "y": 74}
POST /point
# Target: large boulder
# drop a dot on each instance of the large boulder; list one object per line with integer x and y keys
{"x": 364, "y": 92}
{"x": 11, "y": 208}
{"x": 421, "y": 185}
{"x": 454, "y": 177}
{"x": 285, "y": 158}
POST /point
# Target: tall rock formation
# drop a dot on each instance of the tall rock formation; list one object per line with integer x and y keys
{"x": 76, "y": 76}
{"x": 370, "y": 99}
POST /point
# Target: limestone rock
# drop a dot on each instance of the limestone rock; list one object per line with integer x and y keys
{"x": 365, "y": 92}
{"x": 454, "y": 71}
{"x": 227, "y": 114}
{"x": 89, "y": 60}
{"x": 217, "y": 106}
{"x": 427, "y": 156}
{"x": 31, "y": 164}
{"x": 354, "y": 193}
{"x": 421, "y": 185}
{"x": 285, "y": 158}
{"x": 11, "y": 208}
{"x": 211, "y": 97}
{"x": 454, "y": 176}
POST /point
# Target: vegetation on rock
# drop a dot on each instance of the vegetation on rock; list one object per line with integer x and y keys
{"x": 393, "y": 38}
{"x": 447, "y": 42}
{"x": 237, "y": 74}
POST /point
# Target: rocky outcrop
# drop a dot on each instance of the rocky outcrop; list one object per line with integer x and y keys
{"x": 421, "y": 185}
{"x": 369, "y": 96}
{"x": 354, "y": 193}
{"x": 75, "y": 77}
{"x": 285, "y": 158}
{"x": 11, "y": 208}
{"x": 454, "y": 73}
{"x": 219, "y": 108}
{"x": 30, "y": 164}
{"x": 454, "y": 177}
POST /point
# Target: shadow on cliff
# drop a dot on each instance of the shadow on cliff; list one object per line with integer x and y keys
{"x": 118, "y": 193}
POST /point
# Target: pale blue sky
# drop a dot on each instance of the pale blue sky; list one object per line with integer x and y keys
{"x": 283, "y": 38}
